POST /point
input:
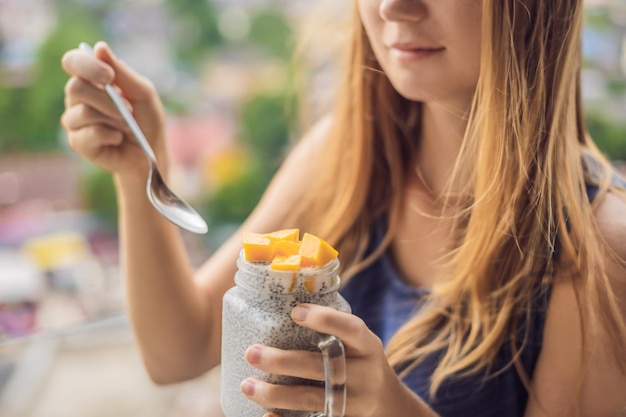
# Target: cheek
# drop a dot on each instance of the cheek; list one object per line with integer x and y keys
{"x": 372, "y": 22}
{"x": 470, "y": 54}
{"x": 373, "y": 25}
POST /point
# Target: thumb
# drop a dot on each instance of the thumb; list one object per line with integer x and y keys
{"x": 133, "y": 85}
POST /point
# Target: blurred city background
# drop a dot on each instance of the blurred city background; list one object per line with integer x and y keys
{"x": 225, "y": 71}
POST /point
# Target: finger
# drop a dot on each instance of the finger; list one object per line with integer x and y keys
{"x": 86, "y": 66}
{"x": 81, "y": 115}
{"x": 90, "y": 140}
{"x": 298, "y": 363}
{"x": 352, "y": 330}
{"x": 78, "y": 91}
{"x": 134, "y": 85}
{"x": 288, "y": 397}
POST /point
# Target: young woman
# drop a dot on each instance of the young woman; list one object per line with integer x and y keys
{"x": 483, "y": 236}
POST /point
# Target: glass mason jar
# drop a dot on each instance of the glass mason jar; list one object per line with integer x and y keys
{"x": 257, "y": 310}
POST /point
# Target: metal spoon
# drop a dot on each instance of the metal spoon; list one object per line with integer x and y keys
{"x": 174, "y": 208}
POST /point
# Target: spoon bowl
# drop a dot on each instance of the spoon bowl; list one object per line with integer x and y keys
{"x": 174, "y": 208}
{"x": 171, "y": 206}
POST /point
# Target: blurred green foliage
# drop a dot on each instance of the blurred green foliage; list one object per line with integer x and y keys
{"x": 232, "y": 203}
{"x": 99, "y": 195}
{"x": 30, "y": 114}
{"x": 270, "y": 31}
{"x": 608, "y": 135}
{"x": 198, "y": 32}
{"x": 598, "y": 18}
{"x": 264, "y": 124}
{"x": 616, "y": 86}
{"x": 15, "y": 133}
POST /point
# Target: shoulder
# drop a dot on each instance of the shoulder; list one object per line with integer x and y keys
{"x": 311, "y": 144}
{"x": 610, "y": 215}
{"x": 305, "y": 156}
{"x": 559, "y": 367}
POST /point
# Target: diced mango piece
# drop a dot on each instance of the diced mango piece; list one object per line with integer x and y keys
{"x": 309, "y": 284}
{"x": 316, "y": 252}
{"x": 286, "y": 252}
{"x": 257, "y": 247}
{"x": 286, "y": 248}
{"x": 286, "y": 263}
{"x": 292, "y": 235}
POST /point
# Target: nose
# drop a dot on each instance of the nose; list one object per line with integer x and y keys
{"x": 402, "y": 10}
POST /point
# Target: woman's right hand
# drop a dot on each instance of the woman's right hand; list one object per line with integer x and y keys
{"x": 95, "y": 129}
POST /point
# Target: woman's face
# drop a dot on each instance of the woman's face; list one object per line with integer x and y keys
{"x": 429, "y": 49}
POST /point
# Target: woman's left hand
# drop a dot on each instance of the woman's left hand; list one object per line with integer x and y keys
{"x": 373, "y": 388}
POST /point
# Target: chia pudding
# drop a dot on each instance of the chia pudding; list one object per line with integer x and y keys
{"x": 257, "y": 310}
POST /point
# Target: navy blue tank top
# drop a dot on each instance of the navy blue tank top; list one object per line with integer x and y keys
{"x": 385, "y": 302}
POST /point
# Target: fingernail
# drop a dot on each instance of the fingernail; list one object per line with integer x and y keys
{"x": 247, "y": 387}
{"x": 299, "y": 313}
{"x": 108, "y": 48}
{"x": 253, "y": 355}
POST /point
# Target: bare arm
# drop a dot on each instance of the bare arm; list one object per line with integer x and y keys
{"x": 175, "y": 312}
{"x": 603, "y": 392}
{"x": 177, "y": 317}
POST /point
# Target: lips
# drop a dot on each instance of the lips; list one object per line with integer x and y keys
{"x": 409, "y": 46}
{"x": 413, "y": 51}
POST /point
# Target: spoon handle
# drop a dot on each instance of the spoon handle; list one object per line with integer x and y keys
{"x": 126, "y": 114}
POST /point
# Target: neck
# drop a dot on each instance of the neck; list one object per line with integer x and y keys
{"x": 442, "y": 134}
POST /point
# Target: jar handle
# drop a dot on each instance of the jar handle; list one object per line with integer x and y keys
{"x": 334, "y": 358}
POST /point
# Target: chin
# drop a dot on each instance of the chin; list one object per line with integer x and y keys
{"x": 460, "y": 100}
{"x": 412, "y": 93}
{"x": 412, "y": 89}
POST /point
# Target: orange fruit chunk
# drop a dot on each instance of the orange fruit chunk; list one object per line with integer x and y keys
{"x": 285, "y": 251}
{"x": 257, "y": 247}
{"x": 286, "y": 248}
{"x": 291, "y": 235}
{"x": 309, "y": 284}
{"x": 316, "y": 252}
{"x": 286, "y": 263}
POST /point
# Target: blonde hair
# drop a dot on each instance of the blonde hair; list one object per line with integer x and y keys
{"x": 525, "y": 210}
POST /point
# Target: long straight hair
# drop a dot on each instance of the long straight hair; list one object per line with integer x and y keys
{"x": 525, "y": 212}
